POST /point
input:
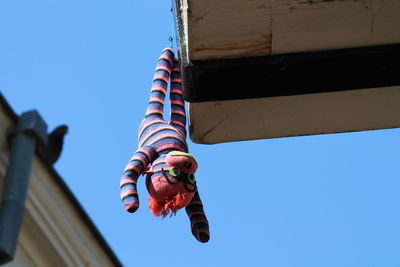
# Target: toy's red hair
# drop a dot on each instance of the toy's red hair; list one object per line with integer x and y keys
{"x": 167, "y": 206}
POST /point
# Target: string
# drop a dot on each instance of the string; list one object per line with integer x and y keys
{"x": 171, "y": 37}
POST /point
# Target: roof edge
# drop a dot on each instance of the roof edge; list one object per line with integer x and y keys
{"x": 6, "y": 107}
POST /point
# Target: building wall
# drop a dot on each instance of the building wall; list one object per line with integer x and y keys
{"x": 53, "y": 233}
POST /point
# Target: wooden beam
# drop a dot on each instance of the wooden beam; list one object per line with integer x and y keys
{"x": 292, "y": 74}
{"x": 212, "y": 29}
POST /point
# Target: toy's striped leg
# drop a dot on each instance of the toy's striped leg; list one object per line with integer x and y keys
{"x": 178, "y": 114}
{"x": 160, "y": 84}
{"x": 198, "y": 219}
{"x": 135, "y": 167}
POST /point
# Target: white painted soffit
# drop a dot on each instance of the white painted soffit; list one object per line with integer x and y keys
{"x": 242, "y": 28}
{"x": 345, "y": 111}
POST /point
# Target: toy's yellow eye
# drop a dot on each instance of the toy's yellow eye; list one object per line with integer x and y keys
{"x": 191, "y": 178}
{"x": 174, "y": 171}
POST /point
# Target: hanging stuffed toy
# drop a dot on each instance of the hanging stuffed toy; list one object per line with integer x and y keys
{"x": 163, "y": 156}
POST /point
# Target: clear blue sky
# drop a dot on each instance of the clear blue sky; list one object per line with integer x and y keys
{"x": 328, "y": 200}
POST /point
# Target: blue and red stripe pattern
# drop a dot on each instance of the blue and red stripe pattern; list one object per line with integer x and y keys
{"x": 198, "y": 219}
{"x": 160, "y": 84}
{"x": 156, "y": 138}
{"x": 135, "y": 167}
{"x": 178, "y": 113}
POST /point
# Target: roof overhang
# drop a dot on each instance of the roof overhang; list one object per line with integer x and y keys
{"x": 263, "y": 69}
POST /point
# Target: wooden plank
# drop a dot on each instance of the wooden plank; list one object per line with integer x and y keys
{"x": 239, "y": 28}
{"x": 292, "y": 74}
{"x": 227, "y": 29}
{"x": 345, "y": 111}
{"x": 299, "y": 25}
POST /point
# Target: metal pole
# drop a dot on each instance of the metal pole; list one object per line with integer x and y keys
{"x": 30, "y": 131}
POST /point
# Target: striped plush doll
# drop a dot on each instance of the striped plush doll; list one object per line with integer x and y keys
{"x": 163, "y": 156}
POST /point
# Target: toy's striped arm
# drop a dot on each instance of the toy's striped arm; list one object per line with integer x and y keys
{"x": 178, "y": 114}
{"x": 198, "y": 219}
{"x": 135, "y": 167}
{"x": 160, "y": 84}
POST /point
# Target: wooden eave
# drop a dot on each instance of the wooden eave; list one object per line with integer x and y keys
{"x": 242, "y": 54}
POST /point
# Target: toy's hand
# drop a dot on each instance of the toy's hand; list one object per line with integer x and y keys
{"x": 135, "y": 167}
{"x": 129, "y": 195}
{"x": 200, "y": 231}
{"x": 198, "y": 219}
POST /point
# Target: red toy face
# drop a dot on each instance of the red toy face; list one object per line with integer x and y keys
{"x": 183, "y": 161}
{"x": 173, "y": 188}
